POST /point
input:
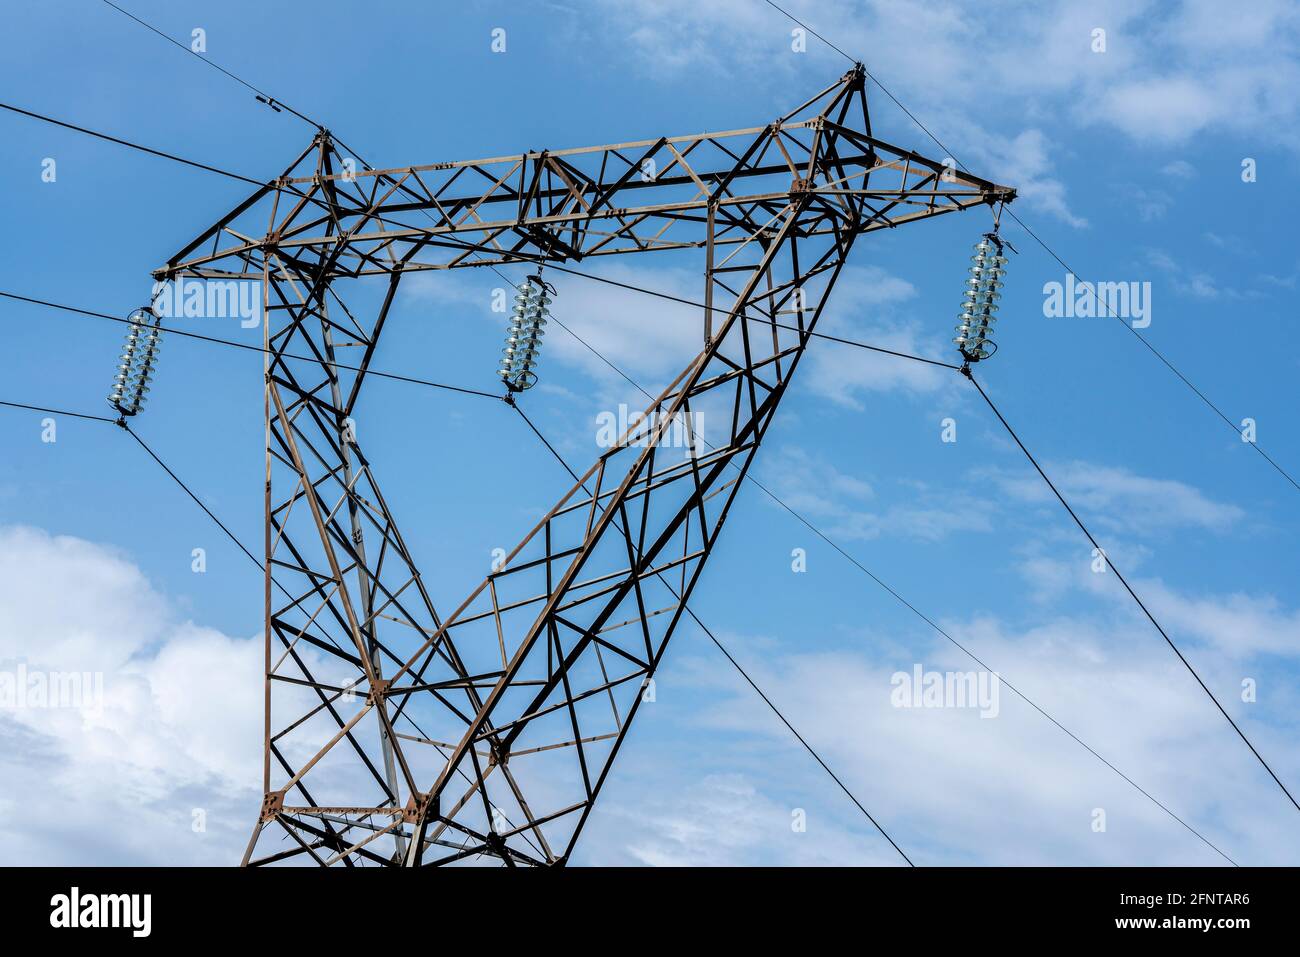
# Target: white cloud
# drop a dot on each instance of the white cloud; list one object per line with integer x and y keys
{"x": 1164, "y": 108}
{"x": 950, "y": 786}
{"x": 1022, "y": 160}
{"x": 1203, "y": 70}
{"x": 652, "y": 339}
{"x": 1151, "y": 204}
{"x": 178, "y": 728}
{"x": 1119, "y": 499}
{"x": 949, "y": 87}
{"x": 1238, "y": 624}
{"x": 841, "y": 505}
{"x": 988, "y": 86}
{"x": 1110, "y": 498}
{"x": 649, "y": 337}
{"x": 1192, "y": 281}
{"x": 721, "y": 819}
{"x": 846, "y": 374}
{"x": 867, "y": 305}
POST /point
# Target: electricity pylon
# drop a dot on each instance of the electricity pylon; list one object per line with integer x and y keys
{"x": 399, "y": 735}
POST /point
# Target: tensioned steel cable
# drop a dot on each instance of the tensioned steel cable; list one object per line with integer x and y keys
{"x": 207, "y": 511}
{"x": 808, "y": 747}
{"x": 40, "y": 408}
{"x": 1034, "y": 462}
{"x": 233, "y": 538}
{"x": 261, "y": 95}
{"x": 135, "y": 146}
{"x": 175, "y": 478}
{"x": 179, "y": 481}
{"x": 556, "y": 266}
{"x": 254, "y": 348}
{"x": 1159, "y": 355}
{"x": 916, "y": 611}
{"x": 275, "y": 103}
{"x": 522, "y": 259}
{"x": 651, "y": 292}
{"x": 735, "y": 664}
{"x": 427, "y": 382}
{"x": 1129, "y": 588}
{"x": 1156, "y": 352}
{"x": 220, "y": 524}
{"x": 190, "y": 492}
{"x": 1051, "y": 252}
{"x": 215, "y": 340}
{"x": 765, "y": 321}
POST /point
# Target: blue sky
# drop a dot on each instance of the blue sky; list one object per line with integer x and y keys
{"x": 1129, "y": 164}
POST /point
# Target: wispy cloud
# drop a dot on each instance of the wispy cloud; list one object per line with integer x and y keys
{"x": 1122, "y": 500}
{"x": 961, "y": 789}
{"x": 1166, "y": 73}
{"x": 844, "y": 506}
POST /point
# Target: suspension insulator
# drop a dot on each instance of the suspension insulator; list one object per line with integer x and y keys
{"x": 138, "y": 362}
{"x": 980, "y": 303}
{"x": 524, "y": 336}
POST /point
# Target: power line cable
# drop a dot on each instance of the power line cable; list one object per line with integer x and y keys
{"x": 197, "y": 501}
{"x": 743, "y": 673}
{"x": 1159, "y": 355}
{"x": 650, "y": 292}
{"x": 920, "y": 614}
{"x": 261, "y": 95}
{"x": 1129, "y": 588}
{"x": 75, "y": 415}
{"x": 808, "y": 747}
{"x": 555, "y": 266}
{"x": 1092, "y": 288}
{"x": 812, "y": 31}
{"x": 220, "y": 524}
{"x": 190, "y": 492}
{"x": 127, "y": 143}
{"x": 780, "y": 325}
{"x": 254, "y": 348}
{"x": 153, "y": 455}
{"x": 1051, "y": 252}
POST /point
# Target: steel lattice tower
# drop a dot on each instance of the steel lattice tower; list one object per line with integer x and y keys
{"x": 398, "y": 734}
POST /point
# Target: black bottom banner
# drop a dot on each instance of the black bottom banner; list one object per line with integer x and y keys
{"x": 211, "y": 906}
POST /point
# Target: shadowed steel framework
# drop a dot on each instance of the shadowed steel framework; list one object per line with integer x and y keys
{"x": 400, "y": 733}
